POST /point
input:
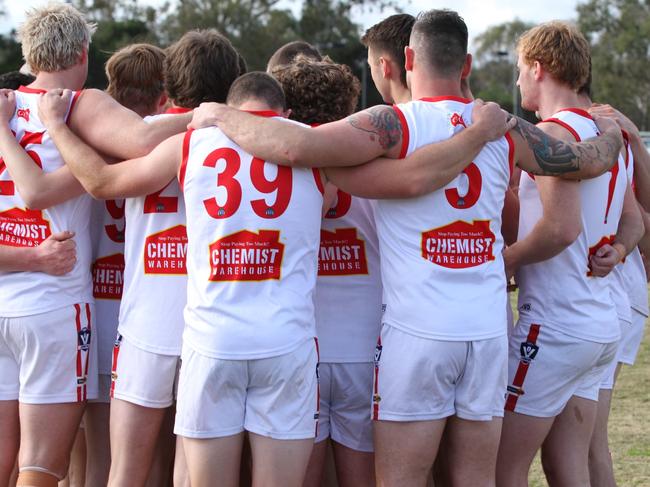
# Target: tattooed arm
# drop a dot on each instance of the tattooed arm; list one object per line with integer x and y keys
{"x": 357, "y": 139}
{"x": 538, "y": 153}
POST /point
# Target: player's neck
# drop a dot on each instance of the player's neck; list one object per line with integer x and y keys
{"x": 558, "y": 98}
{"x": 68, "y": 79}
{"x": 254, "y": 106}
{"x": 400, "y": 93}
{"x": 429, "y": 86}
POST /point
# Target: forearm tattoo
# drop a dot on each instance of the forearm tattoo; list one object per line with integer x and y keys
{"x": 381, "y": 123}
{"x": 595, "y": 155}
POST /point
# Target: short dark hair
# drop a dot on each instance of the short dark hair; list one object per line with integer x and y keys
{"x": 287, "y": 53}
{"x": 391, "y": 36}
{"x": 441, "y": 37}
{"x": 243, "y": 66}
{"x": 257, "y": 85}
{"x": 200, "y": 67}
{"x": 318, "y": 91}
{"x": 15, "y": 79}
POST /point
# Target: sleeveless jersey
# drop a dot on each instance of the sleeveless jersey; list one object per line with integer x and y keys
{"x": 28, "y": 293}
{"x": 347, "y": 298}
{"x": 441, "y": 262}
{"x": 253, "y": 230}
{"x": 560, "y": 292}
{"x": 107, "y": 235}
{"x": 155, "y": 275}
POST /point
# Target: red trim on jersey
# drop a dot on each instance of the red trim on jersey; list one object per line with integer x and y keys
{"x": 75, "y": 98}
{"x": 27, "y": 89}
{"x": 522, "y": 370}
{"x": 264, "y": 113}
{"x": 563, "y": 125}
{"x": 177, "y": 110}
{"x": 116, "y": 353}
{"x": 578, "y": 111}
{"x": 375, "y": 387}
{"x": 626, "y": 142}
{"x": 405, "y": 132}
{"x": 319, "y": 180}
{"x": 511, "y": 152}
{"x": 445, "y": 98}
{"x": 186, "y": 155}
{"x": 317, "y": 385}
{"x": 79, "y": 366}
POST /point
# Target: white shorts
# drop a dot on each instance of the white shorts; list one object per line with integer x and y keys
{"x": 418, "y": 379}
{"x": 141, "y": 377}
{"x": 276, "y": 397}
{"x": 345, "y": 392}
{"x": 628, "y": 347}
{"x": 103, "y": 389}
{"x": 50, "y": 357}
{"x": 546, "y": 368}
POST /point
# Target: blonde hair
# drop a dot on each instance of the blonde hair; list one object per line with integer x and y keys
{"x": 53, "y": 37}
{"x": 561, "y": 49}
{"x": 135, "y": 76}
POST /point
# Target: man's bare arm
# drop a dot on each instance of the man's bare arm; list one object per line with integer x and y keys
{"x": 538, "y": 153}
{"x": 430, "y": 167}
{"x": 115, "y": 130}
{"x": 355, "y": 140}
{"x": 133, "y": 177}
{"x": 56, "y": 255}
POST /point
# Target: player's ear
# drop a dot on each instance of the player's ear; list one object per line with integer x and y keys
{"x": 467, "y": 67}
{"x": 538, "y": 70}
{"x": 384, "y": 64}
{"x": 409, "y": 56}
{"x": 84, "y": 55}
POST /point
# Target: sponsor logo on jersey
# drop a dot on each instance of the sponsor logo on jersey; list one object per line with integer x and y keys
{"x": 108, "y": 277}
{"x": 23, "y": 113}
{"x": 247, "y": 256}
{"x": 457, "y": 119}
{"x": 528, "y": 351}
{"x": 459, "y": 245}
{"x": 341, "y": 253}
{"x": 23, "y": 228}
{"x": 164, "y": 252}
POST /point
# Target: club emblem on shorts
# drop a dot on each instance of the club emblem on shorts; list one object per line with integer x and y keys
{"x": 518, "y": 391}
{"x": 376, "y": 398}
{"x": 118, "y": 341}
{"x": 525, "y": 307}
{"x": 83, "y": 341}
{"x": 378, "y": 349}
{"x": 528, "y": 351}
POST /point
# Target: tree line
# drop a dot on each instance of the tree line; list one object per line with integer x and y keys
{"x": 619, "y": 32}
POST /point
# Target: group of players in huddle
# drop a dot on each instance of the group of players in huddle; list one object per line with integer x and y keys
{"x": 265, "y": 281}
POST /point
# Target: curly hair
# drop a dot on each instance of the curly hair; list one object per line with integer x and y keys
{"x": 318, "y": 91}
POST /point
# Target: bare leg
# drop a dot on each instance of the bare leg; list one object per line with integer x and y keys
{"x": 441, "y": 471}
{"x": 9, "y": 440}
{"x": 565, "y": 452}
{"x": 162, "y": 468}
{"x": 279, "y": 463}
{"x": 98, "y": 464}
{"x": 181, "y": 475}
{"x": 472, "y": 451}
{"x": 214, "y": 458}
{"x": 47, "y": 434}
{"x": 354, "y": 468}
{"x": 404, "y": 452}
{"x": 316, "y": 467}
{"x": 134, "y": 431}
{"x": 77, "y": 470}
{"x": 521, "y": 437}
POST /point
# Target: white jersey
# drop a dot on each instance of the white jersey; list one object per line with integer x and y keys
{"x": 560, "y": 293}
{"x": 253, "y": 230}
{"x": 347, "y": 298}
{"x": 28, "y": 293}
{"x": 107, "y": 234}
{"x": 155, "y": 275}
{"x": 442, "y": 268}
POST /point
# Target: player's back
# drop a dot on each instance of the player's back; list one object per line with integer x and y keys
{"x": 560, "y": 292}
{"x": 442, "y": 268}
{"x": 25, "y": 293}
{"x": 253, "y": 230}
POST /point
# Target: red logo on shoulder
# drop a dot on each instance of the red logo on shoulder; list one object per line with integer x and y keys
{"x": 247, "y": 256}
{"x": 23, "y": 113}
{"x": 457, "y": 119}
{"x": 459, "y": 245}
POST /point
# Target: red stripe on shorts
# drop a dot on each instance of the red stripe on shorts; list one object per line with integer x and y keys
{"x": 88, "y": 319}
{"x": 79, "y": 366}
{"x": 116, "y": 353}
{"x": 317, "y": 384}
{"x": 522, "y": 370}
{"x": 375, "y": 395}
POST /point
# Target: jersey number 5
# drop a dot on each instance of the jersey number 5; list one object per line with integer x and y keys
{"x": 475, "y": 181}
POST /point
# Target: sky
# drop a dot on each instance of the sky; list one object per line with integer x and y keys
{"x": 478, "y": 14}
